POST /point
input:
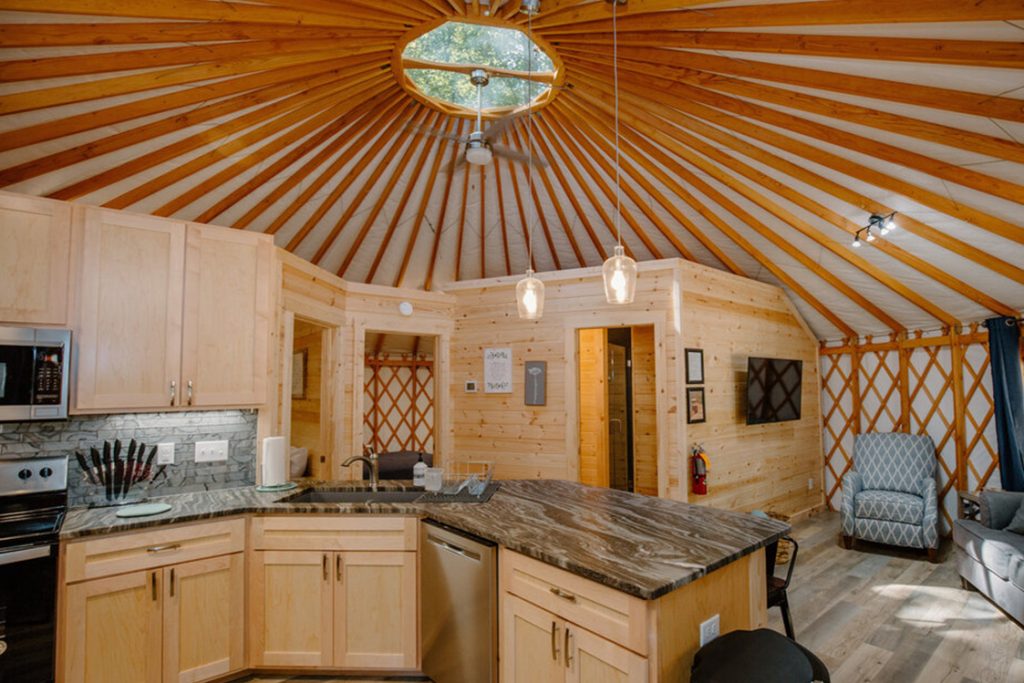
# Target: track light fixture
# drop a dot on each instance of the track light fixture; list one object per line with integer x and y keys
{"x": 882, "y": 225}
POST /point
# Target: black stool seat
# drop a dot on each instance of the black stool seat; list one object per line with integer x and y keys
{"x": 761, "y": 656}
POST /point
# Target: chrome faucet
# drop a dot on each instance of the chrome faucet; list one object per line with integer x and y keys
{"x": 373, "y": 460}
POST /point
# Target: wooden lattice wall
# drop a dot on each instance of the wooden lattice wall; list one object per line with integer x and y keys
{"x": 398, "y": 413}
{"x": 926, "y": 383}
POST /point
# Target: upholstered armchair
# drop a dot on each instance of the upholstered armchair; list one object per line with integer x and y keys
{"x": 889, "y": 496}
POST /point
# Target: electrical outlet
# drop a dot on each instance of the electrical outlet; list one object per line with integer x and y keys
{"x": 211, "y": 451}
{"x": 708, "y": 630}
{"x": 810, "y": 484}
{"x": 165, "y": 453}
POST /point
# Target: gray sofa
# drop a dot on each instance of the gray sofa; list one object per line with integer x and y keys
{"x": 990, "y": 558}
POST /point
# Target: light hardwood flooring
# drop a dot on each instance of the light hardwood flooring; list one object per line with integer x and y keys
{"x": 881, "y": 614}
{"x": 876, "y": 613}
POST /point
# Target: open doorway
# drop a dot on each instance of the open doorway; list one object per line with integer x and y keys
{"x": 399, "y": 401}
{"x": 617, "y": 400}
{"x": 310, "y": 400}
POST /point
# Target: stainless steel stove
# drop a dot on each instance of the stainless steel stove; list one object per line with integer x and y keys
{"x": 33, "y": 500}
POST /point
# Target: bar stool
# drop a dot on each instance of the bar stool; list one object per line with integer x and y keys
{"x": 763, "y": 656}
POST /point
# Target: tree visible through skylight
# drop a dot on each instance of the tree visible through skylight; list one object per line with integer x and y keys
{"x": 478, "y": 45}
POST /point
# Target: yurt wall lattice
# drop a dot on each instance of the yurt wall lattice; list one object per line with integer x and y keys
{"x": 399, "y": 404}
{"x": 934, "y": 383}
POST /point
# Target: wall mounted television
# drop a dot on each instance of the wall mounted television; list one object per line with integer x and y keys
{"x": 773, "y": 390}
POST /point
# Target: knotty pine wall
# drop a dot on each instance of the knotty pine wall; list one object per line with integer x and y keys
{"x": 730, "y": 317}
{"x": 752, "y": 466}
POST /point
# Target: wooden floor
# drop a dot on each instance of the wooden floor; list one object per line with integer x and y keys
{"x": 879, "y": 614}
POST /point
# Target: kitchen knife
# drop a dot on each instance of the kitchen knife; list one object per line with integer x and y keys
{"x": 129, "y": 470}
{"x": 108, "y": 474}
{"x": 117, "y": 449}
{"x": 118, "y": 477}
{"x": 149, "y": 464}
{"x": 140, "y": 465}
{"x": 85, "y": 467}
{"x": 97, "y": 464}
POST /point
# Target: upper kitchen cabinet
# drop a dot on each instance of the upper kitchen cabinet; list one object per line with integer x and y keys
{"x": 35, "y": 234}
{"x": 170, "y": 315}
{"x": 227, "y": 316}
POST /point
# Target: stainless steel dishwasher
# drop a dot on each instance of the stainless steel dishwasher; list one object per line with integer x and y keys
{"x": 458, "y": 606}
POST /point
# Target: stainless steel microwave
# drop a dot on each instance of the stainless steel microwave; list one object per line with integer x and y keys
{"x": 34, "y": 373}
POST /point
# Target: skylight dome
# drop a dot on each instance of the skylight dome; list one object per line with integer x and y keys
{"x": 435, "y": 66}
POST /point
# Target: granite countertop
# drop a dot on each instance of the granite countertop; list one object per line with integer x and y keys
{"x": 640, "y": 545}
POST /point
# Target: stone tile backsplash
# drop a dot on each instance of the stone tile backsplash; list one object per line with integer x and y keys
{"x": 80, "y": 432}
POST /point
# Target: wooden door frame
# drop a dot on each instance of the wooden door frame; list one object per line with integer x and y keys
{"x": 572, "y": 325}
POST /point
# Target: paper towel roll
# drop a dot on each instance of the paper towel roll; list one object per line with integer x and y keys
{"x": 275, "y": 461}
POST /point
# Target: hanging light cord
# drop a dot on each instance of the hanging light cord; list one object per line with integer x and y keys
{"x": 529, "y": 139}
{"x": 615, "y": 76}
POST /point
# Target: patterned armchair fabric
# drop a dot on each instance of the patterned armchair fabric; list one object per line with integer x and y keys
{"x": 890, "y": 495}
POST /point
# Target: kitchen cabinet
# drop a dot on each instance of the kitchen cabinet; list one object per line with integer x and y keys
{"x": 169, "y": 315}
{"x": 35, "y": 238}
{"x": 313, "y": 604}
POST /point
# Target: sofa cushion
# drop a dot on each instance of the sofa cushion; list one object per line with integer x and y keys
{"x": 1016, "y": 524}
{"x": 890, "y": 506}
{"x": 993, "y": 548}
{"x": 1016, "y": 571}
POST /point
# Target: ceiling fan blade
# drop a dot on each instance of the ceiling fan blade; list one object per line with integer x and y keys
{"x": 499, "y": 126}
{"x": 516, "y": 155}
{"x": 454, "y": 168}
{"x": 423, "y": 130}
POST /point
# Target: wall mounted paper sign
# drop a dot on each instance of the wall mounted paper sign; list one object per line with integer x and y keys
{"x": 498, "y": 371}
{"x": 694, "y": 366}
{"x": 536, "y": 382}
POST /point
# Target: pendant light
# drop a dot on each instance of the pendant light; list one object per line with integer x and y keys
{"x": 619, "y": 270}
{"x": 529, "y": 290}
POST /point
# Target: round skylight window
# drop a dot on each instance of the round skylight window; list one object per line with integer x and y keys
{"x": 434, "y": 64}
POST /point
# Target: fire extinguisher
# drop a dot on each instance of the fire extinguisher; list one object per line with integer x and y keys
{"x": 699, "y": 466}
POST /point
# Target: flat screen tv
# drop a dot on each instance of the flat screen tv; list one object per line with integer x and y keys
{"x": 773, "y": 390}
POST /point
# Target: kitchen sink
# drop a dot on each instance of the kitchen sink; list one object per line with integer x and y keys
{"x": 353, "y": 496}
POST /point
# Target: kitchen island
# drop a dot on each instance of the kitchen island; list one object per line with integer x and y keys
{"x": 624, "y": 579}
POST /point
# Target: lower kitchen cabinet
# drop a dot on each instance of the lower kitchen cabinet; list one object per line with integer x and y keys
{"x": 178, "y": 624}
{"x": 340, "y": 609}
{"x": 540, "y": 647}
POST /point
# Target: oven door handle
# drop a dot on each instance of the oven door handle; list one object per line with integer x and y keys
{"x": 24, "y": 554}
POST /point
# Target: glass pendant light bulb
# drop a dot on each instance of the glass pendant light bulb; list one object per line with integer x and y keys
{"x": 870, "y": 236}
{"x": 856, "y": 242}
{"x": 889, "y": 224}
{"x": 530, "y": 297}
{"x": 619, "y": 277}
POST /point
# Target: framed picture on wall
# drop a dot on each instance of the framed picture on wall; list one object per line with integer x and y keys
{"x": 695, "y": 366}
{"x": 299, "y": 374}
{"x": 695, "y": 411}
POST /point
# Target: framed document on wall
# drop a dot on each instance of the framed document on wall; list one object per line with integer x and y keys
{"x": 695, "y": 366}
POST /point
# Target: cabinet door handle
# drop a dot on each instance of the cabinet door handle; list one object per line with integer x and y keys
{"x": 172, "y": 582}
{"x": 189, "y": 387}
{"x": 337, "y": 568}
{"x": 565, "y": 595}
{"x": 162, "y": 548}
{"x": 152, "y": 580}
{"x": 554, "y": 641}
{"x": 568, "y": 650}
{"x": 174, "y": 390}
{"x": 325, "y": 566}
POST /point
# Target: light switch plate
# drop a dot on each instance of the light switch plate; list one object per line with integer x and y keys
{"x": 211, "y": 451}
{"x": 165, "y": 453}
{"x": 709, "y": 630}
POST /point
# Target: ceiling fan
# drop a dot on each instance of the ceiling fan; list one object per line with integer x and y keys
{"x": 481, "y": 145}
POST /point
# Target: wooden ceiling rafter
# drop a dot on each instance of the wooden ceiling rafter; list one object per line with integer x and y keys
{"x": 502, "y": 220}
{"x": 524, "y": 226}
{"x": 429, "y": 145}
{"x": 387, "y": 121}
{"x": 439, "y": 228}
{"x": 460, "y": 235}
{"x": 351, "y": 124}
{"x": 669, "y": 206}
{"x": 453, "y": 126}
{"x": 308, "y": 100}
{"x": 991, "y": 53}
{"x": 389, "y": 141}
{"x": 682, "y": 145}
{"x": 639, "y": 130}
{"x": 948, "y": 136}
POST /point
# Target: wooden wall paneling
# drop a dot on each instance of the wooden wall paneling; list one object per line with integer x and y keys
{"x": 645, "y": 412}
{"x": 307, "y": 413}
{"x": 593, "y": 406}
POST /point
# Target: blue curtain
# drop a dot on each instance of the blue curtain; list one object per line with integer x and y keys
{"x": 1008, "y": 395}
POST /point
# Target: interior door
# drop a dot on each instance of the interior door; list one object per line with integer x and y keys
{"x": 375, "y": 610}
{"x": 291, "y": 608}
{"x": 204, "y": 618}
{"x": 129, "y": 340}
{"x": 619, "y": 473}
{"x": 532, "y": 643}
{"x": 227, "y": 317}
{"x": 593, "y": 402}
{"x": 112, "y": 629}
{"x": 645, "y": 412}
